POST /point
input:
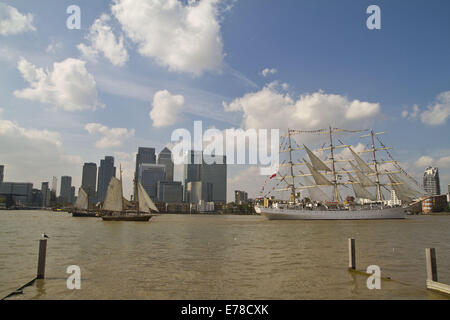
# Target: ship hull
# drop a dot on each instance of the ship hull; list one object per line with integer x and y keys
{"x": 84, "y": 214}
{"x": 141, "y": 218}
{"x": 362, "y": 214}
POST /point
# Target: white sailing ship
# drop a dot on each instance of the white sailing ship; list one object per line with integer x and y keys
{"x": 329, "y": 173}
{"x": 81, "y": 206}
{"x": 114, "y": 209}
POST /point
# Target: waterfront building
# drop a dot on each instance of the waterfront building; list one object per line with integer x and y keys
{"x": 106, "y": 171}
{"x": 2, "y": 172}
{"x": 72, "y": 194}
{"x": 45, "y": 190}
{"x": 431, "y": 182}
{"x": 17, "y": 192}
{"x": 199, "y": 191}
{"x": 149, "y": 175}
{"x": 36, "y": 198}
{"x": 66, "y": 188}
{"x": 144, "y": 155}
{"x": 169, "y": 191}
{"x": 209, "y": 170}
{"x": 240, "y": 197}
{"x": 394, "y": 201}
{"x": 88, "y": 181}
{"x": 165, "y": 158}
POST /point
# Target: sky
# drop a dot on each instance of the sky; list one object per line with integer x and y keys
{"x": 137, "y": 70}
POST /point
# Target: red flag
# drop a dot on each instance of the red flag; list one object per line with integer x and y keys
{"x": 273, "y": 176}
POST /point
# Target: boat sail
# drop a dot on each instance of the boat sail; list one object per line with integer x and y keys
{"x": 82, "y": 200}
{"x": 367, "y": 187}
{"x": 114, "y": 208}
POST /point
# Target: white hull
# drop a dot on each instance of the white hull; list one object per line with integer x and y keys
{"x": 356, "y": 214}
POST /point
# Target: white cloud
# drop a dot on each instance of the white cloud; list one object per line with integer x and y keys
{"x": 184, "y": 38}
{"x": 102, "y": 40}
{"x": 69, "y": 86}
{"x": 268, "y": 71}
{"x": 269, "y": 108}
{"x": 14, "y": 22}
{"x": 411, "y": 114}
{"x": 424, "y": 162}
{"x": 166, "y": 108}
{"x": 110, "y": 137}
{"x": 444, "y": 162}
{"x": 34, "y": 155}
{"x": 437, "y": 113}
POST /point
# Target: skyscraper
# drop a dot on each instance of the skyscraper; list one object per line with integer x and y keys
{"x": 212, "y": 171}
{"x": 66, "y": 189}
{"x": 431, "y": 182}
{"x": 105, "y": 172}
{"x": 144, "y": 155}
{"x": 88, "y": 181}
{"x": 165, "y": 158}
{"x": 149, "y": 175}
{"x": 45, "y": 190}
{"x": 2, "y": 169}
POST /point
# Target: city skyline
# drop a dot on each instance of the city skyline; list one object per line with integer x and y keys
{"x": 133, "y": 96}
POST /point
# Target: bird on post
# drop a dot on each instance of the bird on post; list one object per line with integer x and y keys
{"x": 44, "y": 236}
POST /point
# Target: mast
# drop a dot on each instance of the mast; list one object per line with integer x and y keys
{"x": 377, "y": 179}
{"x": 292, "y": 167}
{"x": 336, "y": 196}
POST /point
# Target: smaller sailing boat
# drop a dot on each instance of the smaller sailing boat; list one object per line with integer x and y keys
{"x": 81, "y": 207}
{"x": 114, "y": 208}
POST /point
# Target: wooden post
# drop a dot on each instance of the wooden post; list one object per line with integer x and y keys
{"x": 351, "y": 254}
{"x": 41, "y": 259}
{"x": 431, "y": 264}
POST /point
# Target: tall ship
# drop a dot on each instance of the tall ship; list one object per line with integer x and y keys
{"x": 81, "y": 206}
{"x": 116, "y": 208}
{"x": 334, "y": 171}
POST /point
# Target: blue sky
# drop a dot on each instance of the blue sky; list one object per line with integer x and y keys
{"x": 321, "y": 50}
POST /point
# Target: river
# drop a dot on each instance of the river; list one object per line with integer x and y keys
{"x": 219, "y": 257}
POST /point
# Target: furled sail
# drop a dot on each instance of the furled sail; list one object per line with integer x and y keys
{"x": 315, "y": 193}
{"x": 361, "y": 163}
{"x": 315, "y": 161}
{"x": 145, "y": 203}
{"x": 318, "y": 177}
{"x": 113, "y": 200}
{"x": 82, "y": 200}
{"x": 363, "y": 179}
{"x": 360, "y": 191}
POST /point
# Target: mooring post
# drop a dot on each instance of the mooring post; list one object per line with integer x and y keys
{"x": 431, "y": 264}
{"x": 351, "y": 254}
{"x": 41, "y": 259}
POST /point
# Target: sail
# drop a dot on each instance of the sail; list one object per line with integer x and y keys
{"x": 315, "y": 193}
{"x": 363, "y": 179}
{"x": 315, "y": 161}
{"x": 401, "y": 190}
{"x": 145, "y": 203}
{"x": 361, "y": 163}
{"x": 114, "y": 194}
{"x": 360, "y": 191}
{"x": 318, "y": 177}
{"x": 82, "y": 200}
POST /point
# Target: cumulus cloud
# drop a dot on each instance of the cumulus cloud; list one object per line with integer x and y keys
{"x": 34, "y": 155}
{"x": 109, "y": 137}
{"x": 182, "y": 37}
{"x": 268, "y": 71}
{"x": 69, "y": 86}
{"x": 411, "y": 114}
{"x": 437, "y": 113}
{"x": 102, "y": 40}
{"x": 424, "y": 161}
{"x": 14, "y": 22}
{"x": 166, "y": 108}
{"x": 270, "y": 108}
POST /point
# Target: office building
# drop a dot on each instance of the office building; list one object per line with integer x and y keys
{"x": 149, "y": 175}
{"x": 169, "y": 191}
{"x": 88, "y": 181}
{"x": 2, "y": 172}
{"x": 199, "y": 191}
{"x": 105, "y": 172}
{"x": 431, "y": 182}
{"x": 144, "y": 155}
{"x": 45, "y": 190}
{"x": 240, "y": 197}
{"x": 165, "y": 158}
{"x": 72, "y": 194}
{"x": 16, "y": 192}
{"x": 66, "y": 189}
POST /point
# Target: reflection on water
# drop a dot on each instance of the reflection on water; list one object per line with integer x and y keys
{"x": 219, "y": 257}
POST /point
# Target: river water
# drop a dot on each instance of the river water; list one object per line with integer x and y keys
{"x": 219, "y": 257}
